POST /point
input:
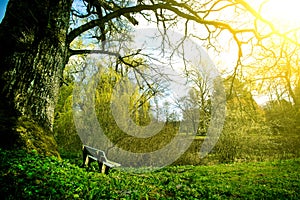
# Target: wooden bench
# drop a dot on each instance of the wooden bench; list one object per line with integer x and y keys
{"x": 91, "y": 154}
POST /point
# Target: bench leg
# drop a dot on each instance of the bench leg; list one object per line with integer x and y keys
{"x": 85, "y": 159}
{"x": 106, "y": 169}
{"x": 100, "y": 164}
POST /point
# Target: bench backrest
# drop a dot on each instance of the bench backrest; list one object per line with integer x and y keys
{"x": 99, "y": 154}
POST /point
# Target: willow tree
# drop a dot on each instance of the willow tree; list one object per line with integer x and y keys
{"x": 36, "y": 37}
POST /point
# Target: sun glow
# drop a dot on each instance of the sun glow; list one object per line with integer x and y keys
{"x": 285, "y": 15}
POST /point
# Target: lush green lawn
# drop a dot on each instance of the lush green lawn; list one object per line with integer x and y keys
{"x": 29, "y": 176}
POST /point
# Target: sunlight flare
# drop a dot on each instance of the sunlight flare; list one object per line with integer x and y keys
{"x": 284, "y": 14}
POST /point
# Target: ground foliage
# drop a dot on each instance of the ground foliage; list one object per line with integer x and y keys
{"x": 29, "y": 176}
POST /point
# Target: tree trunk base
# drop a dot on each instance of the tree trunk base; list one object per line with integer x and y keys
{"x": 23, "y": 133}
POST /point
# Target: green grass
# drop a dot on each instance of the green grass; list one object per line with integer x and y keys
{"x": 30, "y": 176}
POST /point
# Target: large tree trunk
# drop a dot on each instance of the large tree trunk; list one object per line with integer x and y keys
{"x": 33, "y": 53}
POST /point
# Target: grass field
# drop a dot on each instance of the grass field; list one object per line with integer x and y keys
{"x": 29, "y": 176}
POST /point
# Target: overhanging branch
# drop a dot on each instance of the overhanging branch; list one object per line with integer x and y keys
{"x": 135, "y": 9}
{"x": 89, "y": 51}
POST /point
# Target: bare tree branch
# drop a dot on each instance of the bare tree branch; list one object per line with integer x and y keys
{"x": 89, "y": 51}
{"x": 189, "y": 15}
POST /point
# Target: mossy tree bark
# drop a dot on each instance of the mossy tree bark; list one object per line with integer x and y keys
{"x": 33, "y": 53}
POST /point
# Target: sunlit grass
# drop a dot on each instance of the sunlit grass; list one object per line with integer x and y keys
{"x": 30, "y": 176}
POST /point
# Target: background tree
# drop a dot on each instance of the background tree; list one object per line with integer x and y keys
{"x": 245, "y": 126}
{"x": 277, "y": 71}
{"x": 281, "y": 116}
{"x": 277, "y": 77}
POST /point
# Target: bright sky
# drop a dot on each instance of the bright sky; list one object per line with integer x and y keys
{"x": 284, "y": 14}
{"x": 3, "y": 4}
